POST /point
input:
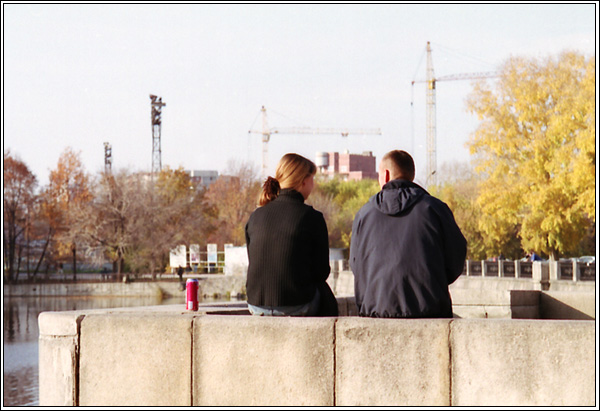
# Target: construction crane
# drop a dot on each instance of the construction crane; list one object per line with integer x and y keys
{"x": 107, "y": 157}
{"x": 266, "y": 135}
{"x": 156, "y": 104}
{"x": 431, "y": 80}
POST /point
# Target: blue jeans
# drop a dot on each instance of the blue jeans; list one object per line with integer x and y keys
{"x": 305, "y": 310}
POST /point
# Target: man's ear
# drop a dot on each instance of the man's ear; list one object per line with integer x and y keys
{"x": 387, "y": 175}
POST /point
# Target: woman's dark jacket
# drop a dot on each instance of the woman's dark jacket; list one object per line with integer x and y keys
{"x": 288, "y": 252}
{"x": 406, "y": 249}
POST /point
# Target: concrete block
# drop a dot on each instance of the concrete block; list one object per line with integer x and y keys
{"x": 59, "y": 323}
{"x": 135, "y": 359}
{"x": 263, "y": 361}
{"x": 481, "y": 311}
{"x": 392, "y": 362}
{"x": 525, "y": 297}
{"x": 568, "y": 305}
{"x": 57, "y": 351}
{"x": 469, "y": 311}
{"x": 57, "y": 371}
{"x": 473, "y": 296}
{"x": 531, "y": 312}
{"x": 523, "y": 363}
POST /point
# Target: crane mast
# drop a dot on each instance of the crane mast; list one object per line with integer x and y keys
{"x": 430, "y": 127}
{"x": 430, "y": 121}
{"x": 156, "y": 104}
{"x": 266, "y": 135}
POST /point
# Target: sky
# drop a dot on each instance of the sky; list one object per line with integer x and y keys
{"x": 80, "y": 75}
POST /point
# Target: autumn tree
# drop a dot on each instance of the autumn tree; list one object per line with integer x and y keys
{"x": 458, "y": 187}
{"x": 230, "y": 200}
{"x": 68, "y": 189}
{"x": 535, "y": 150}
{"x": 19, "y": 185}
{"x": 339, "y": 201}
{"x": 175, "y": 216}
{"x": 117, "y": 210}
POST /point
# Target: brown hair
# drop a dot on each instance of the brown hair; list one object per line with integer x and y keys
{"x": 401, "y": 164}
{"x": 291, "y": 171}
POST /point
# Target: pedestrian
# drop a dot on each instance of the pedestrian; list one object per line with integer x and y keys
{"x": 535, "y": 257}
{"x": 180, "y": 274}
{"x": 406, "y": 247}
{"x": 288, "y": 246}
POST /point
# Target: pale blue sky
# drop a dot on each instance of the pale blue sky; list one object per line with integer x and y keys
{"x": 80, "y": 75}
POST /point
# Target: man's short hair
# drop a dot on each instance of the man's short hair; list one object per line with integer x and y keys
{"x": 401, "y": 164}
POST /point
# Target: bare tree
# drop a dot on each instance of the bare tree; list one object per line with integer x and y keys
{"x": 109, "y": 220}
{"x": 19, "y": 195}
{"x": 231, "y": 199}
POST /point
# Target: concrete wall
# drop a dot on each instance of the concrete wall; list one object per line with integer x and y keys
{"x": 208, "y": 285}
{"x": 164, "y": 355}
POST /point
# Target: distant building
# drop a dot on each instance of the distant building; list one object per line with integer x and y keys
{"x": 347, "y": 166}
{"x": 203, "y": 178}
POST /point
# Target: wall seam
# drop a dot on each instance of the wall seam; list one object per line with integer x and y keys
{"x": 192, "y": 361}
{"x": 334, "y": 362}
{"x": 450, "y": 363}
{"x": 77, "y": 360}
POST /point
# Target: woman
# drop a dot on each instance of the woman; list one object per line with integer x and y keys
{"x": 288, "y": 246}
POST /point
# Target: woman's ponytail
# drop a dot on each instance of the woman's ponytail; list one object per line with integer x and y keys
{"x": 291, "y": 171}
{"x": 270, "y": 191}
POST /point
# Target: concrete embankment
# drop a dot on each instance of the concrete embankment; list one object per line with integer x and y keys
{"x": 209, "y": 285}
{"x": 221, "y": 356}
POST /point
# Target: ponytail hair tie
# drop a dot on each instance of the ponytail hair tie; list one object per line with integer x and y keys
{"x": 270, "y": 191}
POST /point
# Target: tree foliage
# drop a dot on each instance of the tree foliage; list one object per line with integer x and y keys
{"x": 339, "y": 201}
{"x": 535, "y": 150}
{"x": 68, "y": 189}
{"x": 230, "y": 200}
{"x": 18, "y": 189}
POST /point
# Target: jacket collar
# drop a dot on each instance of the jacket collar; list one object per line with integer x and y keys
{"x": 288, "y": 194}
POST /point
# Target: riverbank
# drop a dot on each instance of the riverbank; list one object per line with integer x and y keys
{"x": 210, "y": 286}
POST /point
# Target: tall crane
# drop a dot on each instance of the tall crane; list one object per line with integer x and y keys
{"x": 157, "y": 104}
{"x": 431, "y": 80}
{"x": 266, "y": 135}
{"x": 107, "y": 157}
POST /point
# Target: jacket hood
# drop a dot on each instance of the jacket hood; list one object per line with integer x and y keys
{"x": 397, "y": 196}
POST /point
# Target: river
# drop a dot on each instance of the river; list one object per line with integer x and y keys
{"x": 21, "y": 333}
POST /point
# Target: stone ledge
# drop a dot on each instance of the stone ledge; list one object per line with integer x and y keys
{"x": 167, "y": 356}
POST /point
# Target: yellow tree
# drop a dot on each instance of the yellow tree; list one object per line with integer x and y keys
{"x": 535, "y": 149}
{"x": 68, "y": 189}
{"x": 458, "y": 187}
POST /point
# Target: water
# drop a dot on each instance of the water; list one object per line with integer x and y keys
{"x": 21, "y": 333}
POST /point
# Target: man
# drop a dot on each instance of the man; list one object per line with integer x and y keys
{"x": 406, "y": 247}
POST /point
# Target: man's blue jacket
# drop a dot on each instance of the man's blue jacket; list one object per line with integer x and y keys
{"x": 406, "y": 248}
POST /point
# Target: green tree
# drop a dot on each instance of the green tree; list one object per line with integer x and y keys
{"x": 535, "y": 150}
{"x": 340, "y": 201}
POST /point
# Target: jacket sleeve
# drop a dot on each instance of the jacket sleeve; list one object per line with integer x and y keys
{"x": 355, "y": 258}
{"x": 455, "y": 245}
{"x": 354, "y": 249}
{"x": 319, "y": 247}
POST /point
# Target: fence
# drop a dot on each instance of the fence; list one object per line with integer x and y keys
{"x": 569, "y": 270}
